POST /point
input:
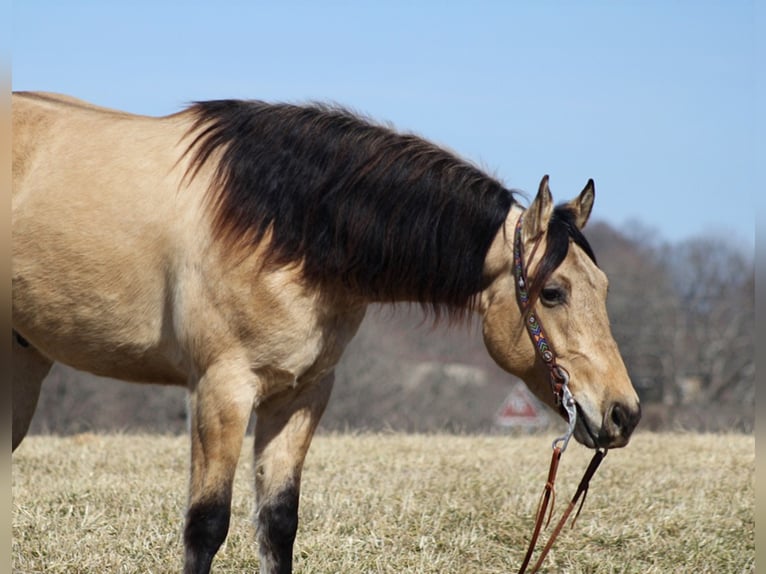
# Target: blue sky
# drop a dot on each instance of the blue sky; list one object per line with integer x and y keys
{"x": 654, "y": 100}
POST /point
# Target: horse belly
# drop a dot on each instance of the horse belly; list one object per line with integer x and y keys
{"x": 116, "y": 333}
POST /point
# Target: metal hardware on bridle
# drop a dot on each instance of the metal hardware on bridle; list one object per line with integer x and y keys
{"x": 568, "y": 402}
{"x": 559, "y": 379}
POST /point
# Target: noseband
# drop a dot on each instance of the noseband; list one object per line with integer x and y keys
{"x": 559, "y": 381}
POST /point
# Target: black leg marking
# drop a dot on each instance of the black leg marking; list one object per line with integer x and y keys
{"x": 277, "y": 526}
{"x": 207, "y": 524}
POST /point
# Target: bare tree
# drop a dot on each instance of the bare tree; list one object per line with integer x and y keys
{"x": 716, "y": 289}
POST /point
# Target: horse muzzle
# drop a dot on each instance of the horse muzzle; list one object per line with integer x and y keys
{"x": 612, "y": 431}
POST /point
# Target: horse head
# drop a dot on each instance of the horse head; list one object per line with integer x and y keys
{"x": 567, "y": 291}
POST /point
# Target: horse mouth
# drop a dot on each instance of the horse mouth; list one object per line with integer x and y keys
{"x": 596, "y": 435}
{"x": 583, "y": 432}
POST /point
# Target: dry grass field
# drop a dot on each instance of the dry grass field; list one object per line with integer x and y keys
{"x": 396, "y": 503}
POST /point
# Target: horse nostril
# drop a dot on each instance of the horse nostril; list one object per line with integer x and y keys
{"x": 618, "y": 416}
{"x": 624, "y": 419}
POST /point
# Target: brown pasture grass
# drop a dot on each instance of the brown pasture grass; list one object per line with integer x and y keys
{"x": 396, "y": 503}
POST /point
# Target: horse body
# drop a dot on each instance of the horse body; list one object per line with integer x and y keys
{"x": 137, "y": 256}
{"x": 142, "y": 280}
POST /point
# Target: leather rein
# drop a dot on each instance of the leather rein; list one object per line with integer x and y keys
{"x": 559, "y": 380}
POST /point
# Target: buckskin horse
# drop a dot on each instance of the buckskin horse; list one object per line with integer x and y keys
{"x": 233, "y": 248}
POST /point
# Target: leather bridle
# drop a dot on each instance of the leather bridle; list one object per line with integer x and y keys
{"x": 559, "y": 381}
{"x": 559, "y": 377}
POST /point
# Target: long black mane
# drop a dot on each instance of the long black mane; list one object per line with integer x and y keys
{"x": 388, "y": 216}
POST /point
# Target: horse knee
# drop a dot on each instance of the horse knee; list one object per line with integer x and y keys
{"x": 207, "y": 524}
{"x": 277, "y": 524}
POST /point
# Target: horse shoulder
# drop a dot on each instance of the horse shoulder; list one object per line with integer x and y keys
{"x": 285, "y": 332}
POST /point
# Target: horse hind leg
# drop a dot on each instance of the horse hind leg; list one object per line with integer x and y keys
{"x": 283, "y": 433}
{"x": 28, "y": 369}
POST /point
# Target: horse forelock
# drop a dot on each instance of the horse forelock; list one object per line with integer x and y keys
{"x": 561, "y": 231}
{"x": 386, "y": 215}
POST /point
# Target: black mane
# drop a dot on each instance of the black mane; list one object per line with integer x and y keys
{"x": 388, "y": 216}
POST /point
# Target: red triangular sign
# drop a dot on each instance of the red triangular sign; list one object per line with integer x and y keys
{"x": 520, "y": 409}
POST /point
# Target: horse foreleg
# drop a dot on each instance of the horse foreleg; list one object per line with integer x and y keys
{"x": 28, "y": 368}
{"x": 220, "y": 407}
{"x": 283, "y": 433}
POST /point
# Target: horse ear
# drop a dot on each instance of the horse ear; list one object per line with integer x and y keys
{"x": 582, "y": 206}
{"x": 539, "y": 213}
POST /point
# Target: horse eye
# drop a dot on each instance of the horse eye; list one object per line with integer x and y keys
{"x": 552, "y": 296}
